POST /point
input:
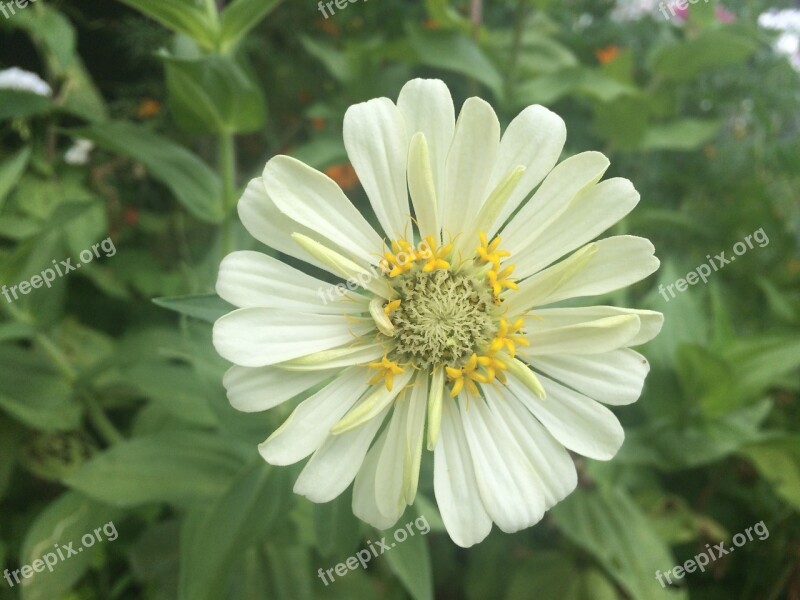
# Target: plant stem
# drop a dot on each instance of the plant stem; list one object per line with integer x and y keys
{"x": 227, "y": 168}
{"x": 100, "y": 421}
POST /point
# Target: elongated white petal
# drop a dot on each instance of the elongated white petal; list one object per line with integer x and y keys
{"x": 257, "y": 337}
{"x": 435, "y": 403}
{"x": 254, "y": 280}
{"x": 454, "y": 483}
{"x": 550, "y": 318}
{"x": 334, "y": 465}
{"x": 609, "y": 265}
{"x": 576, "y": 421}
{"x": 550, "y": 461}
{"x": 313, "y": 199}
{"x": 614, "y": 377}
{"x": 509, "y": 487}
{"x": 309, "y": 424}
{"x": 261, "y": 388}
{"x": 589, "y": 214}
{"x": 469, "y": 164}
{"x": 422, "y": 187}
{"x": 337, "y": 358}
{"x": 427, "y": 108}
{"x": 534, "y": 139}
{"x": 377, "y": 143}
{"x": 389, "y": 496}
{"x": 551, "y": 199}
{"x": 414, "y": 433}
{"x": 344, "y": 267}
{"x": 364, "y": 505}
{"x": 590, "y": 337}
{"x": 376, "y": 401}
{"x": 270, "y": 226}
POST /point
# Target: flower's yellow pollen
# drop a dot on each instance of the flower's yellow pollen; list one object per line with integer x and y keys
{"x": 494, "y": 367}
{"x": 391, "y": 307}
{"x": 507, "y": 337}
{"x": 501, "y": 279}
{"x": 387, "y": 369}
{"x": 401, "y": 259}
{"x": 465, "y": 376}
{"x": 488, "y": 252}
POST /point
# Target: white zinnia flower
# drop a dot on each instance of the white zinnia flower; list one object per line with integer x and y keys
{"x": 451, "y": 325}
{"x": 787, "y": 22}
{"x": 25, "y": 81}
{"x": 633, "y": 10}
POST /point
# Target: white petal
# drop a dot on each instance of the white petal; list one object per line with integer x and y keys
{"x": 614, "y": 377}
{"x": 590, "y": 337}
{"x": 254, "y": 280}
{"x": 608, "y": 265}
{"x": 551, "y": 199}
{"x": 590, "y": 213}
{"x": 377, "y": 143}
{"x": 509, "y": 487}
{"x": 548, "y": 318}
{"x": 335, "y": 464}
{"x": 576, "y": 421}
{"x": 534, "y": 139}
{"x": 337, "y": 358}
{"x": 261, "y": 388}
{"x": 414, "y": 433}
{"x": 270, "y": 226}
{"x": 422, "y": 188}
{"x": 454, "y": 483}
{"x": 314, "y": 200}
{"x": 469, "y": 164}
{"x": 427, "y": 107}
{"x": 374, "y": 403}
{"x": 389, "y": 495}
{"x": 364, "y": 506}
{"x": 551, "y": 462}
{"x": 257, "y": 337}
{"x": 309, "y": 424}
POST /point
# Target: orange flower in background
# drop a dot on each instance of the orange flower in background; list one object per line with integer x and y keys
{"x": 608, "y": 54}
{"x": 148, "y": 108}
{"x": 343, "y": 174}
{"x": 318, "y": 123}
{"x": 431, "y": 24}
{"x": 329, "y": 27}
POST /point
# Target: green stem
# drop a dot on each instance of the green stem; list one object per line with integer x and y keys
{"x": 101, "y": 422}
{"x": 227, "y": 168}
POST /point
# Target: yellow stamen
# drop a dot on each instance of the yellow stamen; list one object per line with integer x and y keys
{"x": 488, "y": 252}
{"x": 391, "y": 307}
{"x": 434, "y": 257}
{"x": 506, "y": 338}
{"x": 387, "y": 369}
{"x": 466, "y": 376}
{"x": 501, "y": 279}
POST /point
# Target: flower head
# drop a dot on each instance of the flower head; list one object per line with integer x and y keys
{"x": 448, "y": 315}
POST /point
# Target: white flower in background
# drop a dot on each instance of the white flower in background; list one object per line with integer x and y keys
{"x": 787, "y": 22}
{"x": 25, "y": 81}
{"x": 625, "y": 11}
{"x": 456, "y": 323}
{"x": 78, "y": 153}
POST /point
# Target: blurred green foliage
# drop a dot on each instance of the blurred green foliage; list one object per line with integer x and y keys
{"x": 112, "y": 407}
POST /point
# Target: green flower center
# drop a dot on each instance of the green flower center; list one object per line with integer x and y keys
{"x": 443, "y": 318}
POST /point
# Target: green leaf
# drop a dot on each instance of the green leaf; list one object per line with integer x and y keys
{"x": 683, "y": 134}
{"x": 763, "y": 362}
{"x": 552, "y": 575}
{"x": 34, "y": 392}
{"x": 551, "y": 87}
{"x": 11, "y": 170}
{"x": 778, "y": 461}
{"x": 175, "y": 388}
{"x": 192, "y": 182}
{"x": 711, "y": 49}
{"x": 177, "y": 467}
{"x": 213, "y": 95}
{"x": 336, "y": 528}
{"x": 183, "y": 16}
{"x": 456, "y": 52}
{"x": 709, "y": 380}
{"x": 64, "y": 522}
{"x": 211, "y": 542}
{"x": 608, "y": 525}
{"x": 80, "y": 96}
{"x": 410, "y": 560}
{"x": 206, "y": 307}
{"x": 53, "y": 32}
{"x": 16, "y": 103}
{"x": 335, "y": 61}
{"x": 240, "y": 17}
